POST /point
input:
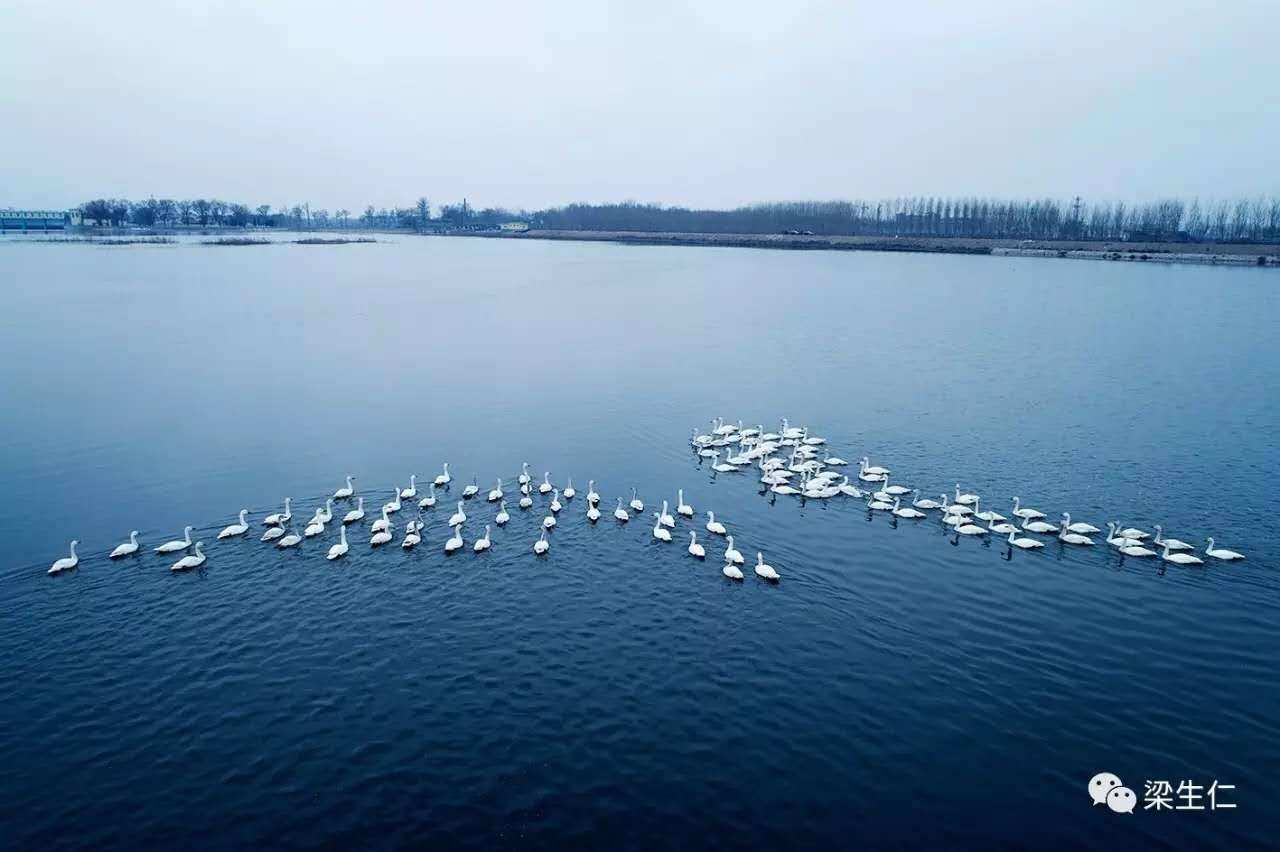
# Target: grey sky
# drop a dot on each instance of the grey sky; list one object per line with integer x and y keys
{"x": 701, "y": 103}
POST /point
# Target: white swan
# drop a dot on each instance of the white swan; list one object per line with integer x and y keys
{"x": 696, "y": 550}
{"x": 1087, "y": 529}
{"x": 1026, "y": 514}
{"x": 383, "y": 524}
{"x": 1003, "y": 528}
{"x": 66, "y": 563}
{"x": 523, "y": 478}
{"x": 315, "y": 526}
{"x": 1024, "y": 543}
{"x": 1170, "y": 543}
{"x": 458, "y": 517}
{"x": 177, "y": 544}
{"x": 1137, "y": 550}
{"x": 849, "y": 489}
{"x": 412, "y": 537}
{"x": 455, "y": 541}
{"x": 569, "y": 491}
{"x": 1221, "y": 553}
{"x": 879, "y": 505}
{"x": 867, "y": 467}
{"x": 526, "y": 501}
{"x": 954, "y": 508}
{"x": 444, "y": 478}
{"x": 290, "y": 540}
{"x": 1116, "y": 540}
{"x": 193, "y": 560}
{"x": 593, "y": 512}
{"x": 966, "y": 528}
{"x": 1130, "y": 532}
{"x": 905, "y": 511}
{"x": 356, "y": 514}
{"x": 683, "y": 508}
{"x": 129, "y": 548}
{"x": 395, "y": 504}
{"x": 764, "y": 571}
{"x": 548, "y": 522}
{"x": 340, "y": 549}
{"x": 665, "y": 518}
{"x": 965, "y": 499}
{"x": 279, "y": 519}
{"x": 236, "y": 529}
{"x": 732, "y": 571}
{"x": 495, "y": 493}
{"x": 430, "y": 500}
{"x": 926, "y": 503}
{"x": 483, "y": 542}
{"x": 987, "y": 515}
{"x": 555, "y": 505}
{"x": 621, "y": 513}
{"x": 591, "y": 491}
{"x": 273, "y": 533}
{"x": 325, "y": 513}
{"x": 541, "y": 546}
{"x": 1179, "y": 558}
{"x": 714, "y": 526}
{"x": 545, "y": 487}
{"x": 503, "y": 516}
{"x": 471, "y": 490}
{"x": 731, "y": 554}
{"x": 1038, "y": 527}
{"x": 659, "y": 532}
{"x": 637, "y": 505}
{"x": 412, "y": 491}
{"x": 1069, "y": 537}
{"x": 345, "y": 491}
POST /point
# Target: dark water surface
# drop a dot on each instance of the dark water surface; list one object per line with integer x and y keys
{"x": 893, "y": 689}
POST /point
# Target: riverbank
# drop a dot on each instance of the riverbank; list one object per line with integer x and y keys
{"x": 1207, "y": 253}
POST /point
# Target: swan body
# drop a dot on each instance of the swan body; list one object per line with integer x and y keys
{"x": 665, "y": 518}
{"x": 455, "y": 541}
{"x": 412, "y": 491}
{"x": 395, "y": 504}
{"x": 879, "y": 505}
{"x": 412, "y": 538}
{"x": 660, "y": 532}
{"x": 987, "y": 515}
{"x": 495, "y": 493}
{"x": 569, "y": 493}
{"x": 484, "y": 542}
{"x": 714, "y": 526}
{"x": 177, "y": 544}
{"x": 683, "y": 508}
{"x": 621, "y": 513}
{"x": 1116, "y": 540}
{"x": 279, "y": 519}
{"x": 867, "y": 467}
{"x": 471, "y": 490}
{"x": 1137, "y": 550}
{"x": 1179, "y": 558}
{"x": 637, "y": 505}
{"x": 345, "y": 491}
{"x": 1003, "y": 527}
{"x": 526, "y": 501}
{"x": 1169, "y": 543}
{"x": 237, "y": 528}
{"x": 849, "y": 489}
{"x": 545, "y": 487}
{"x": 523, "y": 478}
{"x": 430, "y": 500}
{"x": 290, "y": 540}
{"x": 731, "y": 554}
{"x": 905, "y": 511}
{"x": 66, "y": 563}
{"x": 1221, "y": 553}
{"x": 1024, "y": 543}
{"x": 340, "y": 549}
{"x": 696, "y": 550}
{"x": 444, "y": 478}
{"x": 503, "y": 516}
{"x": 273, "y": 533}
{"x": 129, "y": 548}
{"x": 784, "y": 489}
{"x": 356, "y": 514}
{"x": 924, "y": 504}
{"x": 556, "y": 505}
{"x": 1065, "y": 535}
{"x": 732, "y": 571}
{"x": 965, "y": 499}
{"x": 548, "y": 522}
{"x": 383, "y": 524}
{"x": 1086, "y": 529}
{"x": 193, "y": 560}
{"x": 315, "y": 526}
{"x": 764, "y": 571}
{"x": 458, "y": 517}
{"x": 541, "y": 546}
{"x": 1025, "y": 514}
{"x": 1130, "y": 532}
{"x": 954, "y": 508}
{"x": 1038, "y": 527}
{"x": 593, "y": 512}
{"x": 967, "y": 528}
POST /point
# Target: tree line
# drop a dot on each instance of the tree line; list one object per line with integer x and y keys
{"x": 1239, "y": 220}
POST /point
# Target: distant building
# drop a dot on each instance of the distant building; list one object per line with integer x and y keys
{"x": 514, "y": 226}
{"x": 34, "y": 220}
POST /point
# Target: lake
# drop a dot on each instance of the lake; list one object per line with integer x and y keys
{"x": 898, "y": 687}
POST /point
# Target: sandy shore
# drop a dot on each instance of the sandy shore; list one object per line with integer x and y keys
{"x": 1210, "y": 253}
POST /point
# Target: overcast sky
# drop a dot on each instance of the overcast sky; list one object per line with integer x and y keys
{"x": 698, "y": 103}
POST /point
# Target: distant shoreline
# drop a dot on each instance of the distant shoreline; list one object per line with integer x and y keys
{"x": 1230, "y": 254}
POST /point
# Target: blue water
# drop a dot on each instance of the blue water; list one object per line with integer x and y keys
{"x": 896, "y": 688}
